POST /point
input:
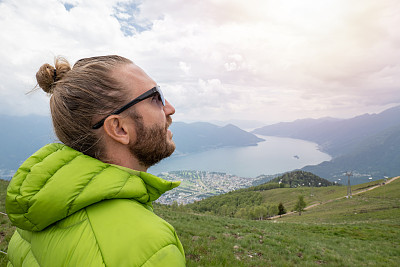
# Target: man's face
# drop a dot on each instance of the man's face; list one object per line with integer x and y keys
{"x": 150, "y": 119}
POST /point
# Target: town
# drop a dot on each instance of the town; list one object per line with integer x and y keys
{"x": 197, "y": 185}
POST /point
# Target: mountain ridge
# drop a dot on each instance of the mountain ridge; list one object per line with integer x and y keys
{"x": 26, "y": 134}
{"x": 201, "y": 136}
{"x": 377, "y": 156}
{"x": 335, "y": 136}
{"x": 368, "y": 144}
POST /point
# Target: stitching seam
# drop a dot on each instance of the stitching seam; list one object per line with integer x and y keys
{"x": 94, "y": 235}
{"x": 91, "y": 179}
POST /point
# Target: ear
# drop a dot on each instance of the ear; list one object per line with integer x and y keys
{"x": 117, "y": 128}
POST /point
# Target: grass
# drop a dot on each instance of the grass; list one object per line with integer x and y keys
{"x": 361, "y": 231}
{"x": 380, "y": 205}
{"x": 312, "y": 195}
{"x": 217, "y": 241}
{"x": 6, "y": 229}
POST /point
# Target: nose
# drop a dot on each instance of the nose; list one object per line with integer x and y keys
{"x": 168, "y": 108}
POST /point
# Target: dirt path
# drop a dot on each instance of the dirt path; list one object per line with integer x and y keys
{"x": 321, "y": 203}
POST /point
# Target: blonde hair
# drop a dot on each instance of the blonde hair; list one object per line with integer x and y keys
{"x": 79, "y": 95}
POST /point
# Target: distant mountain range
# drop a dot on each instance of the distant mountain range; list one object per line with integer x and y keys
{"x": 201, "y": 136}
{"x": 377, "y": 155}
{"x": 20, "y": 137}
{"x": 335, "y": 136}
{"x": 367, "y": 145}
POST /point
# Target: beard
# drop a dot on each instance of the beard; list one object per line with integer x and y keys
{"x": 152, "y": 144}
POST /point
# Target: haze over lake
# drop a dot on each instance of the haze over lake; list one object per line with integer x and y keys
{"x": 272, "y": 156}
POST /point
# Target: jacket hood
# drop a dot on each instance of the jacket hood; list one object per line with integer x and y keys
{"x": 57, "y": 181}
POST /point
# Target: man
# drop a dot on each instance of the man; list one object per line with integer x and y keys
{"x": 87, "y": 202}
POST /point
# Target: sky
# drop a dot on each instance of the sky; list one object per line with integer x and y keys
{"x": 216, "y": 60}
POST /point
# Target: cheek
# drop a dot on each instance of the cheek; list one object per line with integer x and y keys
{"x": 152, "y": 114}
{"x": 133, "y": 128}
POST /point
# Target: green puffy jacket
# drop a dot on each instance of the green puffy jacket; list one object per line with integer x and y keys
{"x": 74, "y": 210}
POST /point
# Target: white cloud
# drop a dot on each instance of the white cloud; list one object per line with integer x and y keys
{"x": 219, "y": 59}
{"x": 184, "y": 67}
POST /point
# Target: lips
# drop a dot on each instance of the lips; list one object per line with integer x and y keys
{"x": 167, "y": 124}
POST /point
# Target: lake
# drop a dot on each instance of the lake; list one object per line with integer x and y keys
{"x": 272, "y": 156}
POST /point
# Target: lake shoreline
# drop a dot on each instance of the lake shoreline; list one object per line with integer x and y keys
{"x": 272, "y": 156}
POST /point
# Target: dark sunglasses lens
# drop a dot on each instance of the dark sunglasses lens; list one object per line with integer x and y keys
{"x": 160, "y": 94}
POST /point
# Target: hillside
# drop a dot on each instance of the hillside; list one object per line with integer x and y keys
{"x": 6, "y": 229}
{"x": 361, "y": 231}
{"x": 335, "y": 136}
{"x": 301, "y": 178}
{"x": 368, "y": 145}
{"x": 242, "y": 203}
{"x": 371, "y": 202}
{"x": 197, "y": 185}
{"x": 377, "y": 156}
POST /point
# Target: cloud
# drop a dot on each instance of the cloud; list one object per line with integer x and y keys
{"x": 219, "y": 59}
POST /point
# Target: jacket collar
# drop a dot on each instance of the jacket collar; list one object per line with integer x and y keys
{"x": 57, "y": 181}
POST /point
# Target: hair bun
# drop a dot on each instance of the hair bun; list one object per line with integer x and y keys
{"x": 47, "y": 75}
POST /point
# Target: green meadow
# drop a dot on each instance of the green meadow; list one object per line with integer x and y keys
{"x": 6, "y": 229}
{"x": 360, "y": 231}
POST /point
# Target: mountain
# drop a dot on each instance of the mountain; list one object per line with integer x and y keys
{"x": 335, "y": 136}
{"x": 377, "y": 155}
{"x": 201, "y": 136}
{"x": 242, "y": 124}
{"x": 20, "y": 137}
{"x": 368, "y": 145}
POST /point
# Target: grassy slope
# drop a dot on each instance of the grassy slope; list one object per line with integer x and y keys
{"x": 362, "y": 231}
{"x": 289, "y": 196}
{"x": 6, "y": 229}
{"x": 378, "y": 206}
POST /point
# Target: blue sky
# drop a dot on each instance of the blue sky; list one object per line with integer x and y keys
{"x": 217, "y": 59}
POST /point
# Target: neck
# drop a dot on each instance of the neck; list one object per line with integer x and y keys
{"x": 123, "y": 157}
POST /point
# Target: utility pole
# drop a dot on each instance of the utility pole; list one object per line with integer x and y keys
{"x": 384, "y": 188}
{"x": 348, "y": 174}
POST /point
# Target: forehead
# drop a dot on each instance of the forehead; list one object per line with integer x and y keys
{"x": 133, "y": 79}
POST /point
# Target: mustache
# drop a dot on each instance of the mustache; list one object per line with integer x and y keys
{"x": 169, "y": 122}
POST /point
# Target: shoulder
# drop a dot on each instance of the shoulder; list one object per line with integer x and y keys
{"x": 126, "y": 232}
{"x": 108, "y": 214}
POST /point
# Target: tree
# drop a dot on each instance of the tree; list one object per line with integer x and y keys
{"x": 300, "y": 205}
{"x": 281, "y": 209}
{"x": 242, "y": 213}
{"x": 272, "y": 210}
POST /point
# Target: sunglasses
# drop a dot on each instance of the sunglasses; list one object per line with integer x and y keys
{"x": 153, "y": 91}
